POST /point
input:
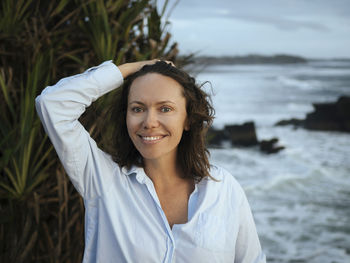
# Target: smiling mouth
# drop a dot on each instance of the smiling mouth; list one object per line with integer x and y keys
{"x": 151, "y": 138}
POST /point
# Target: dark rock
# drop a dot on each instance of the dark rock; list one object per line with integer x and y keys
{"x": 330, "y": 116}
{"x": 269, "y": 146}
{"x": 215, "y": 137}
{"x": 295, "y": 122}
{"x": 242, "y": 135}
{"x": 343, "y": 108}
{"x": 334, "y": 116}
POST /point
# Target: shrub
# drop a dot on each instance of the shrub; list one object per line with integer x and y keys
{"x": 40, "y": 42}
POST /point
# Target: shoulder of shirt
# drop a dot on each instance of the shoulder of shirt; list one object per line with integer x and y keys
{"x": 224, "y": 177}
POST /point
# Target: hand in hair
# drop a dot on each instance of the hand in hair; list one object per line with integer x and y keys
{"x": 129, "y": 68}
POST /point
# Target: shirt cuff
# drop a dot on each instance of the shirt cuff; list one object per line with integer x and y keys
{"x": 107, "y": 75}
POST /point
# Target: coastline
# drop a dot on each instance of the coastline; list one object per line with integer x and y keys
{"x": 249, "y": 59}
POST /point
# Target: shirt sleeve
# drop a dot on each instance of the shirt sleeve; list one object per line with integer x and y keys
{"x": 248, "y": 249}
{"x": 59, "y": 107}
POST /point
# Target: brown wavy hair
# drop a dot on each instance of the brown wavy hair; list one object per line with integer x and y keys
{"x": 192, "y": 152}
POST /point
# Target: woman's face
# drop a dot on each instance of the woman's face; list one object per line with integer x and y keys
{"x": 156, "y": 116}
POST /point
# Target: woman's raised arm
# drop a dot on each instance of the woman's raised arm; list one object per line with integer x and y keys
{"x": 59, "y": 108}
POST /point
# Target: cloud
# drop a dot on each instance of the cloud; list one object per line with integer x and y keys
{"x": 196, "y": 8}
{"x": 315, "y": 28}
{"x": 284, "y": 15}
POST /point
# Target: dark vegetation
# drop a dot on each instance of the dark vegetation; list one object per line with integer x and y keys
{"x": 41, "y": 215}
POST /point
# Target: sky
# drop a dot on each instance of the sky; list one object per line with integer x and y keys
{"x": 308, "y": 28}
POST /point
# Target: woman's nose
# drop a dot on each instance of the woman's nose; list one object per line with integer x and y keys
{"x": 150, "y": 120}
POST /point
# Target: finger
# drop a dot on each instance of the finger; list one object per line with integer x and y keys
{"x": 166, "y": 61}
{"x": 171, "y": 63}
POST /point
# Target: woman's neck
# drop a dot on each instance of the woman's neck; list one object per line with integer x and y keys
{"x": 163, "y": 173}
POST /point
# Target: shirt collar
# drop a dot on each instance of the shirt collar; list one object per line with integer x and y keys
{"x": 139, "y": 172}
{"x": 142, "y": 178}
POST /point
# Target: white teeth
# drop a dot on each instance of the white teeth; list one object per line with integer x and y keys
{"x": 153, "y": 138}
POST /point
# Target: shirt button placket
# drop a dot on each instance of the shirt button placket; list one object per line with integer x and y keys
{"x": 170, "y": 239}
{"x": 170, "y": 251}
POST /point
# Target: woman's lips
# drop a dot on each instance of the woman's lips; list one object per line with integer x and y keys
{"x": 151, "y": 139}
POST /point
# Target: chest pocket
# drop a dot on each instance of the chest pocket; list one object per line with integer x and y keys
{"x": 212, "y": 234}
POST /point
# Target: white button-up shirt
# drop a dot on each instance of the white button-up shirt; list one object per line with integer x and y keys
{"x": 124, "y": 220}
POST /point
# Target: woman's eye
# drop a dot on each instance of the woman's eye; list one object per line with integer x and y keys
{"x": 136, "y": 109}
{"x": 165, "y": 109}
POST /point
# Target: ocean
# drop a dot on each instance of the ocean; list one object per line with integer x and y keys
{"x": 300, "y": 197}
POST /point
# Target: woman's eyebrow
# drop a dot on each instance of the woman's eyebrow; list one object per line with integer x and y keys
{"x": 136, "y": 102}
{"x": 157, "y": 103}
{"x": 166, "y": 102}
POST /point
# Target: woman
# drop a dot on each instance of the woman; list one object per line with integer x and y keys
{"x": 156, "y": 199}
